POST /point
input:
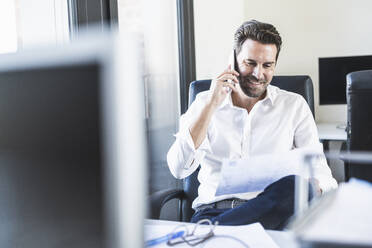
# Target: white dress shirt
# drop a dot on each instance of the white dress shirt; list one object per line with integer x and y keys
{"x": 280, "y": 122}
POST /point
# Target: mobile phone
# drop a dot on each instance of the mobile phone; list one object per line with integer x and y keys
{"x": 234, "y": 65}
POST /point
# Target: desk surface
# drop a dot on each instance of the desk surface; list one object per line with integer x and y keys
{"x": 331, "y": 131}
{"x": 282, "y": 239}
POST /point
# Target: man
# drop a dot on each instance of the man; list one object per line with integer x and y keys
{"x": 242, "y": 115}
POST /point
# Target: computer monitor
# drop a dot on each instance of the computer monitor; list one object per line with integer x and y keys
{"x": 72, "y": 145}
{"x": 332, "y": 76}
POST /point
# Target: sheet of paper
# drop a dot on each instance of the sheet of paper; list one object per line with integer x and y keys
{"x": 346, "y": 220}
{"x": 253, "y": 235}
{"x": 255, "y": 173}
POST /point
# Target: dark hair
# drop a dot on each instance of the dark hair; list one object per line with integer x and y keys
{"x": 264, "y": 33}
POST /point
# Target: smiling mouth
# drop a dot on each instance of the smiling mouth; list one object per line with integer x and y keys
{"x": 252, "y": 82}
{"x": 256, "y": 83}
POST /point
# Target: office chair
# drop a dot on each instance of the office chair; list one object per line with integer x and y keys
{"x": 359, "y": 122}
{"x": 299, "y": 84}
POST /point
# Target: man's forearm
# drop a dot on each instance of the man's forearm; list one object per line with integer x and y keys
{"x": 199, "y": 129}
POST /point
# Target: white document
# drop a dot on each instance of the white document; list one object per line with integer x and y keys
{"x": 346, "y": 219}
{"x": 255, "y": 173}
{"x": 253, "y": 235}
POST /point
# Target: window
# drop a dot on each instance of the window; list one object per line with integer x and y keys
{"x": 25, "y": 24}
{"x": 156, "y": 23}
{"x": 8, "y": 29}
{"x": 42, "y": 22}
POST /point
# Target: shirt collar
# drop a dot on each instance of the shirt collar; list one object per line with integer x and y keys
{"x": 270, "y": 94}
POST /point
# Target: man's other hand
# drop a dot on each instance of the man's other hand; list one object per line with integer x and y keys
{"x": 315, "y": 183}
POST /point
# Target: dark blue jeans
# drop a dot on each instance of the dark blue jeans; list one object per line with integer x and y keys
{"x": 272, "y": 208}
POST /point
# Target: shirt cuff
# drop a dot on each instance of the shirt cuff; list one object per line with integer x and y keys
{"x": 196, "y": 155}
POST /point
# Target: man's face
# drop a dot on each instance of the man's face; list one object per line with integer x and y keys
{"x": 256, "y": 63}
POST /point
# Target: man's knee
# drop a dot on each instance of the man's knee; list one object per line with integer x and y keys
{"x": 286, "y": 186}
{"x": 289, "y": 179}
{"x": 287, "y": 182}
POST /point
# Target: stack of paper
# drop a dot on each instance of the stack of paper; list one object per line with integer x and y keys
{"x": 344, "y": 217}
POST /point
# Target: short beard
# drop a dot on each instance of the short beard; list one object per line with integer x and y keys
{"x": 244, "y": 83}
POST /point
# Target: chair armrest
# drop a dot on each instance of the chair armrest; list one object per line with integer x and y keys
{"x": 158, "y": 199}
{"x": 343, "y": 149}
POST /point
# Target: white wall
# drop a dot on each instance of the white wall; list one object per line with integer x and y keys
{"x": 215, "y": 23}
{"x": 310, "y": 29}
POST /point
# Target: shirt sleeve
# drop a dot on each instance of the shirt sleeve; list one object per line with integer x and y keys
{"x": 182, "y": 158}
{"x": 306, "y": 135}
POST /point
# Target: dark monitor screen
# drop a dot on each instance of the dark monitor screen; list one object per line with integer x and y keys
{"x": 50, "y": 157}
{"x": 332, "y": 76}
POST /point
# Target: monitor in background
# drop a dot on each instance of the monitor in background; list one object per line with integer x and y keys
{"x": 332, "y": 76}
{"x": 72, "y": 151}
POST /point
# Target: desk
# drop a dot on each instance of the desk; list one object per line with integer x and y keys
{"x": 330, "y": 132}
{"x": 282, "y": 239}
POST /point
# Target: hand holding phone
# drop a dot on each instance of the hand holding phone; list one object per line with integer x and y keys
{"x": 225, "y": 83}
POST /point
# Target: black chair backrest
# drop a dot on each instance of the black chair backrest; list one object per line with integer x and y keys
{"x": 302, "y": 85}
{"x": 359, "y": 120}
